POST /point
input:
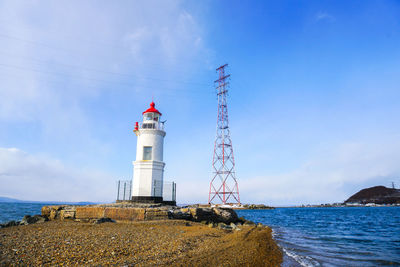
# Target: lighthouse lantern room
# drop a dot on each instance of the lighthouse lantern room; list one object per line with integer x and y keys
{"x": 148, "y": 168}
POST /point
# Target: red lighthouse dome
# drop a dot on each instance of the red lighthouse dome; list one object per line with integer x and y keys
{"x": 152, "y": 109}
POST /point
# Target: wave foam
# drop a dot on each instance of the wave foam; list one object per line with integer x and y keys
{"x": 304, "y": 261}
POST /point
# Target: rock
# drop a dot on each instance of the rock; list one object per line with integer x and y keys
{"x": 185, "y": 210}
{"x": 53, "y": 212}
{"x": 40, "y": 219}
{"x": 257, "y": 207}
{"x": 202, "y": 214}
{"x": 26, "y": 220}
{"x": 233, "y": 226}
{"x": 46, "y": 211}
{"x": 32, "y": 219}
{"x": 182, "y": 214}
{"x": 68, "y": 213}
{"x": 103, "y": 220}
{"x": 241, "y": 220}
{"x": 211, "y": 225}
{"x": 247, "y": 222}
{"x": 260, "y": 225}
{"x": 10, "y": 223}
{"x": 223, "y": 226}
{"x": 205, "y": 215}
{"x": 226, "y": 215}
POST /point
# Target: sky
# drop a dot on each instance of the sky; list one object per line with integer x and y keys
{"x": 313, "y": 98}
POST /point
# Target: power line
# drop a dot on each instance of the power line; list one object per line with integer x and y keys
{"x": 130, "y": 85}
{"x": 11, "y": 37}
{"x": 112, "y": 72}
{"x": 70, "y": 36}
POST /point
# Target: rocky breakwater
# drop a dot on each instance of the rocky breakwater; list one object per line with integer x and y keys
{"x": 28, "y": 219}
{"x": 257, "y": 207}
{"x": 140, "y": 212}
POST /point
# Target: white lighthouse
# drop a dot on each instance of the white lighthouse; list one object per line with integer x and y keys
{"x": 148, "y": 168}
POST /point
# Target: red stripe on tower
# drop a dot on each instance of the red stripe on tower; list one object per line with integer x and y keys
{"x": 223, "y": 186}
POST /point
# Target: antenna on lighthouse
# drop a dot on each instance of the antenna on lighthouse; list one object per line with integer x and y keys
{"x": 223, "y": 186}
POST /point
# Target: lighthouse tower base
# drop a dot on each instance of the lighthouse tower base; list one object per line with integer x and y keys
{"x": 149, "y": 188}
{"x": 144, "y": 199}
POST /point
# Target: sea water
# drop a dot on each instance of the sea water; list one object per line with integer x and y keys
{"x": 16, "y": 211}
{"x": 345, "y": 236}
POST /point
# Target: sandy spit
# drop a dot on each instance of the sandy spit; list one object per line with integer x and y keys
{"x": 158, "y": 243}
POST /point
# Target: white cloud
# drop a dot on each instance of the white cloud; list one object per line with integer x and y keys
{"x": 324, "y": 16}
{"x": 32, "y": 177}
{"x": 331, "y": 176}
{"x": 169, "y": 39}
{"x": 57, "y": 59}
{"x": 136, "y": 41}
{"x": 42, "y": 42}
{"x": 57, "y": 65}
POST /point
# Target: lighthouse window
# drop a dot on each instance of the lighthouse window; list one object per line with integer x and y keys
{"x": 147, "y": 152}
{"x": 148, "y": 117}
{"x": 148, "y": 126}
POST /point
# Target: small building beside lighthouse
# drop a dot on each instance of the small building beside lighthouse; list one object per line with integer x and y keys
{"x": 148, "y": 168}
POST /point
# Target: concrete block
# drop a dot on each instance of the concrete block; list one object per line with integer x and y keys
{"x": 125, "y": 214}
{"x": 89, "y": 212}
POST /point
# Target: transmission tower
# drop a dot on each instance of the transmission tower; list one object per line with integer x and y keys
{"x": 223, "y": 186}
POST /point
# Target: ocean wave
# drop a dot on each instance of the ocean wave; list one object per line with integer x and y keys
{"x": 305, "y": 261}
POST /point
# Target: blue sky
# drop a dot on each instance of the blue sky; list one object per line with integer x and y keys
{"x": 313, "y": 103}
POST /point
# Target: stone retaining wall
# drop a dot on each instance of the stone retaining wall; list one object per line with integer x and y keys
{"x": 127, "y": 213}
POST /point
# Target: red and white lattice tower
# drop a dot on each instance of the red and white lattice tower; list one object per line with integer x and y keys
{"x": 223, "y": 186}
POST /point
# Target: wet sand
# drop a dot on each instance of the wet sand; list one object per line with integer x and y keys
{"x": 157, "y": 243}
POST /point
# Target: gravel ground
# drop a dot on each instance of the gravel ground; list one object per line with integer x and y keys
{"x": 159, "y": 243}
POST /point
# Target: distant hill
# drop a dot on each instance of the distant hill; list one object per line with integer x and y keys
{"x": 13, "y": 200}
{"x": 7, "y": 199}
{"x": 377, "y": 195}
